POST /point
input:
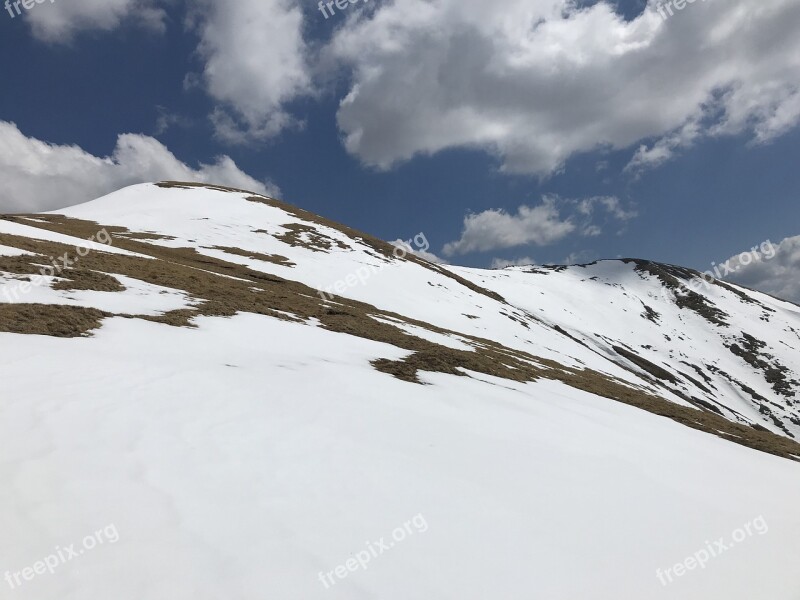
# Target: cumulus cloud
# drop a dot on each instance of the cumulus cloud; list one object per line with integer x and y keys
{"x": 61, "y": 21}
{"x": 255, "y": 62}
{"x": 495, "y": 228}
{"x": 549, "y": 222}
{"x": 537, "y": 81}
{"x": 532, "y": 82}
{"x": 666, "y": 148}
{"x": 254, "y": 54}
{"x": 39, "y": 176}
{"x": 776, "y": 271}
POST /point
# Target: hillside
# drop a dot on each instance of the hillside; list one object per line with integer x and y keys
{"x": 248, "y": 392}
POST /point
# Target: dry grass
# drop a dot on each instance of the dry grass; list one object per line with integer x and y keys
{"x": 84, "y": 279}
{"x": 271, "y": 258}
{"x": 49, "y": 319}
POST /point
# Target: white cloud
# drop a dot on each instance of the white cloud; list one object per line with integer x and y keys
{"x": 255, "y": 57}
{"x": 495, "y": 228}
{"x": 665, "y": 148}
{"x": 777, "y": 271}
{"x": 502, "y": 263}
{"x": 255, "y": 62}
{"x": 61, "y": 20}
{"x": 38, "y": 176}
{"x": 540, "y": 225}
{"x": 533, "y": 82}
{"x": 537, "y": 81}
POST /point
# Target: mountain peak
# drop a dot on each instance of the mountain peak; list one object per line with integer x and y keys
{"x": 631, "y": 330}
{"x": 232, "y": 363}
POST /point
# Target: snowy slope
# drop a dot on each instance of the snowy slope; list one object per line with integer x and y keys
{"x": 454, "y": 430}
{"x": 603, "y": 305}
{"x": 744, "y": 360}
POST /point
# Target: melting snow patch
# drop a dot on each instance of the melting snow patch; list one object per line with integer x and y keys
{"x": 9, "y": 251}
{"x": 139, "y": 297}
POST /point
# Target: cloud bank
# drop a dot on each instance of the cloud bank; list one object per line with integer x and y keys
{"x": 531, "y": 82}
{"x": 38, "y": 176}
{"x": 534, "y": 82}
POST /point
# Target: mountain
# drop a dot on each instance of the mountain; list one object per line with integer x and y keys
{"x": 247, "y": 392}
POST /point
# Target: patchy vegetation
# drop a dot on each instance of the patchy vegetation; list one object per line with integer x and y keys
{"x": 247, "y": 290}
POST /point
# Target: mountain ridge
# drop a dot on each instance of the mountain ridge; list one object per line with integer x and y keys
{"x": 171, "y": 372}
{"x": 624, "y": 373}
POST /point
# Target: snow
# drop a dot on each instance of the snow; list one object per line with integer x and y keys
{"x": 36, "y": 233}
{"x": 606, "y": 311}
{"x": 139, "y": 297}
{"x": 448, "y": 341}
{"x": 9, "y": 251}
{"x": 243, "y": 458}
{"x": 203, "y": 218}
{"x": 599, "y": 305}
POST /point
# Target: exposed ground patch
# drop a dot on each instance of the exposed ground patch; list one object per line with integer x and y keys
{"x": 271, "y": 258}
{"x": 670, "y": 277}
{"x": 644, "y": 364}
{"x": 751, "y": 351}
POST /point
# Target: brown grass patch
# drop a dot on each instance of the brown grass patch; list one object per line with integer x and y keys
{"x": 49, "y": 319}
{"x": 84, "y": 279}
{"x": 271, "y": 258}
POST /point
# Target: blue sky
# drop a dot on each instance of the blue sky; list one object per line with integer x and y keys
{"x": 676, "y": 156}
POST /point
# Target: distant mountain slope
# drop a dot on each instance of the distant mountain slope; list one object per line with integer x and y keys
{"x": 259, "y": 380}
{"x": 721, "y": 347}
